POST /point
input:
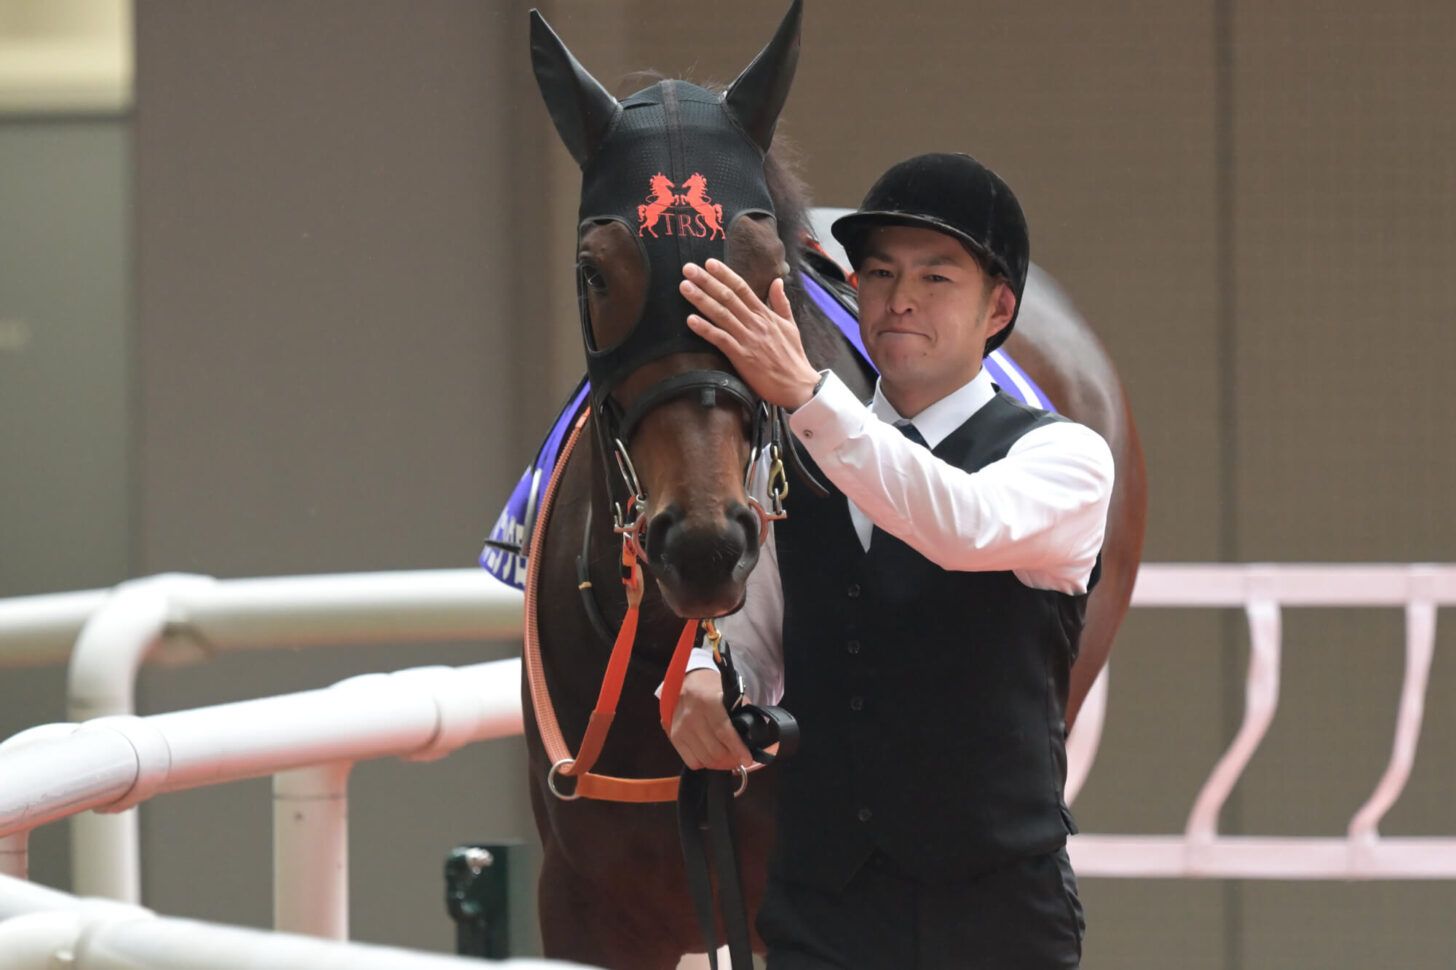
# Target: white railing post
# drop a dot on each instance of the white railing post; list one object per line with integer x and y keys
{"x": 113, "y": 644}
{"x": 1261, "y": 697}
{"x": 311, "y": 851}
{"x": 1420, "y": 648}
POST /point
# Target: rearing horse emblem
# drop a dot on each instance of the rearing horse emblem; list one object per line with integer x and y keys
{"x": 692, "y": 213}
{"x": 660, "y": 198}
{"x": 697, "y": 197}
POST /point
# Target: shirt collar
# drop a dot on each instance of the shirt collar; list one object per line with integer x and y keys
{"x": 937, "y": 421}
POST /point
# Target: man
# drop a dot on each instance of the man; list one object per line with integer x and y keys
{"x": 928, "y": 611}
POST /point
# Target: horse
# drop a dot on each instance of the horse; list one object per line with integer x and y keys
{"x": 658, "y": 472}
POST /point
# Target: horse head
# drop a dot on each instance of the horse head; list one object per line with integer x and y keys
{"x": 667, "y": 408}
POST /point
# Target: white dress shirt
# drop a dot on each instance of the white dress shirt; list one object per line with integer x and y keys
{"x": 1040, "y": 512}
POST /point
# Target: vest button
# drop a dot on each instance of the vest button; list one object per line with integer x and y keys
{"x": 864, "y": 815}
{"x": 856, "y": 703}
{"x": 852, "y": 646}
{"x": 853, "y": 591}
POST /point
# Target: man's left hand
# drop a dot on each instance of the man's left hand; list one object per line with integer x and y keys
{"x": 761, "y": 342}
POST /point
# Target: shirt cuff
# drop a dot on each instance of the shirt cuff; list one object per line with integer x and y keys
{"x": 828, "y": 418}
{"x": 699, "y": 659}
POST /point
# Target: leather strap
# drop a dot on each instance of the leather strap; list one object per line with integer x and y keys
{"x": 705, "y": 805}
{"x": 672, "y": 684}
{"x": 588, "y": 785}
{"x": 703, "y": 382}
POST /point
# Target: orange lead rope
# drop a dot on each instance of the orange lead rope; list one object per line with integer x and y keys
{"x": 588, "y": 785}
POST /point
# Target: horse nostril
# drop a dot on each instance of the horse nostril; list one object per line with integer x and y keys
{"x": 748, "y": 521}
{"x": 659, "y": 528}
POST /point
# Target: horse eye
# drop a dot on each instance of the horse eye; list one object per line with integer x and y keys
{"x": 592, "y": 277}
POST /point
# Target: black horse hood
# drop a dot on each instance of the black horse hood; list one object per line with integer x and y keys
{"x": 690, "y": 184}
{"x": 676, "y": 164}
{"x": 677, "y": 171}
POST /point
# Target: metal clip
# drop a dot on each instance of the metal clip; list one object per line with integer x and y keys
{"x": 778, "y": 482}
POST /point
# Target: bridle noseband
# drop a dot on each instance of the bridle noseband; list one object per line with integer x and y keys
{"x": 629, "y": 518}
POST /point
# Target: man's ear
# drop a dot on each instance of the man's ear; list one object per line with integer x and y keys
{"x": 1002, "y": 307}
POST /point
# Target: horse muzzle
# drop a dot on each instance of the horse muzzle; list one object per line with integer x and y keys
{"x": 702, "y": 563}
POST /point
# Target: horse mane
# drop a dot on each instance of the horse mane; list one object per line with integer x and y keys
{"x": 790, "y": 196}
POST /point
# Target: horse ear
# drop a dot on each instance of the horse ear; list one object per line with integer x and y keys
{"x": 580, "y": 107}
{"x": 757, "y": 97}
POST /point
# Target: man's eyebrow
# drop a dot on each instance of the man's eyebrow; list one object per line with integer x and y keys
{"x": 937, "y": 260}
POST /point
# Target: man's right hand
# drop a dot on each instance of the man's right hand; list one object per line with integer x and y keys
{"x": 701, "y": 731}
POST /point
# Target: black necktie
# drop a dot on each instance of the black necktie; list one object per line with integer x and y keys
{"x": 911, "y": 432}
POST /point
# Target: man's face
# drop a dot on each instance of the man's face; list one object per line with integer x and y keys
{"x": 926, "y": 312}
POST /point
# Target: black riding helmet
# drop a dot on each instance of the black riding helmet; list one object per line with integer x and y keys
{"x": 956, "y": 195}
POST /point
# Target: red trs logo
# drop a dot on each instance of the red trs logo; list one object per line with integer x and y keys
{"x": 689, "y": 213}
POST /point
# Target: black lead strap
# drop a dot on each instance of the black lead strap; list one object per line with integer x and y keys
{"x": 705, "y": 806}
{"x": 705, "y": 820}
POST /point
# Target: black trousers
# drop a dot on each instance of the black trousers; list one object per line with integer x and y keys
{"x": 1024, "y": 916}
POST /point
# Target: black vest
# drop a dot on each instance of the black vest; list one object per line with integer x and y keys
{"x": 931, "y": 701}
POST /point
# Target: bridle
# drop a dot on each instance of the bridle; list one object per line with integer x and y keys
{"x": 578, "y": 766}
{"x": 629, "y": 518}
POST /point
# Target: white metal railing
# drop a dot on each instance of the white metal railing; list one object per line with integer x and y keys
{"x": 106, "y": 635}
{"x": 253, "y": 612}
{"x": 1262, "y": 591}
{"x": 307, "y": 740}
{"x": 41, "y": 929}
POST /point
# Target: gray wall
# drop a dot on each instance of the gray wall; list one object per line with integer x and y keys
{"x": 353, "y": 316}
{"x": 328, "y": 347}
{"x": 65, "y": 438}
